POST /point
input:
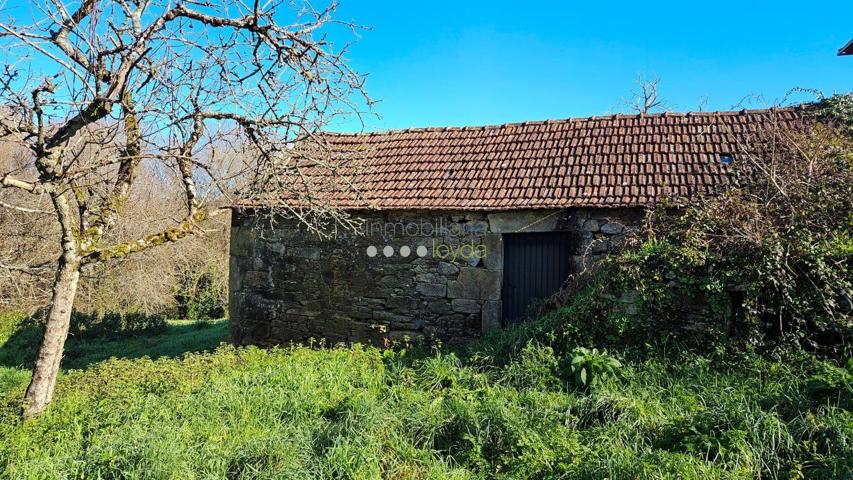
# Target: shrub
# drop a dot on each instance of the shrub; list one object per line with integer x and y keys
{"x": 20, "y": 334}
{"x": 115, "y": 325}
{"x": 831, "y": 384}
{"x": 534, "y": 367}
{"x": 770, "y": 259}
{"x": 837, "y": 109}
{"x": 201, "y": 292}
{"x": 590, "y": 367}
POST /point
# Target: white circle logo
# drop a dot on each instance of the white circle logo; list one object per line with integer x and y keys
{"x": 422, "y": 251}
{"x": 388, "y": 250}
{"x": 405, "y": 251}
{"x": 371, "y": 251}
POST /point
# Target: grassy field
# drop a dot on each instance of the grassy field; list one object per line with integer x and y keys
{"x": 363, "y": 413}
{"x": 18, "y": 342}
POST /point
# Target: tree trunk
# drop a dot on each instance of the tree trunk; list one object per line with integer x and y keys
{"x": 46, "y": 367}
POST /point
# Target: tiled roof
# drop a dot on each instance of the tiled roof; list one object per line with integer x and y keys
{"x": 611, "y": 161}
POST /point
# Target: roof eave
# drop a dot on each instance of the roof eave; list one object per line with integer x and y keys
{"x": 846, "y": 49}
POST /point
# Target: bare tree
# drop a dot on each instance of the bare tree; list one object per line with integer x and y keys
{"x": 646, "y": 98}
{"x": 98, "y": 89}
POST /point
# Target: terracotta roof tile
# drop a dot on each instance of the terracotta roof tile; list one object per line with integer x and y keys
{"x": 618, "y": 161}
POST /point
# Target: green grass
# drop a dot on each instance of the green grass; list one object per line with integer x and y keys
{"x": 364, "y": 413}
{"x": 18, "y": 345}
{"x": 180, "y": 337}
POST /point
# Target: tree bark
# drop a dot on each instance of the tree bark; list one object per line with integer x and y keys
{"x": 46, "y": 367}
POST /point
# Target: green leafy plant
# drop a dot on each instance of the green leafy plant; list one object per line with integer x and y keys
{"x": 769, "y": 261}
{"x": 535, "y": 366}
{"x": 832, "y": 384}
{"x": 356, "y": 412}
{"x": 591, "y": 366}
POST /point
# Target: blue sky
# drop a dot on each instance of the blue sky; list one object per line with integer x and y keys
{"x": 485, "y": 62}
{"x": 470, "y": 63}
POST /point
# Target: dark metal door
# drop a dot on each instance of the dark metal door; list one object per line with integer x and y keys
{"x": 535, "y": 267}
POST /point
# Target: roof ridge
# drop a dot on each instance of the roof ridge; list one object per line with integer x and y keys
{"x": 590, "y": 163}
{"x": 559, "y": 121}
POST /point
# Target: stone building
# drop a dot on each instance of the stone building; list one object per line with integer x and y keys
{"x": 464, "y": 228}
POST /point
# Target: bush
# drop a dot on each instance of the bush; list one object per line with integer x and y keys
{"x": 832, "y": 384}
{"x": 591, "y": 367}
{"x": 201, "y": 292}
{"x": 20, "y": 335}
{"x": 114, "y": 325}
{"x": 534, "y": 367}
{"x": 768, "y": 262}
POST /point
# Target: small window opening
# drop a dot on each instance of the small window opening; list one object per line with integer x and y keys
{"x": 726, "y": 158}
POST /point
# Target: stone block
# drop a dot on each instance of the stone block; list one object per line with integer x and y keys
{"x": 243, "y": 241}
{"x": 420, "y": 269}
{"x": 524, "y": 221}
{"x": 591, "y": 225}
{"x": 450, "y": 240}
{"x": 477, "y": 227}
{"x": 289, "y": 328}
{"x": 476, "y": 284}
{"x": 471, "y": 261}
{"x": 361, "y": 312}
{"x": 463, "y": 305}
{"x": 272, "y": 249}
{"x": 494, "y": 252}
{"x": 383, "y": 316}
{"x": 448, "y": 322}
{"x": 446, "y": 268}
{"x": 612, "y": 228}
{"x": 426, "y": 278}
{"x": 303, "y": 312}
{"x": 255, "y": 280}
{"x": 439, "y": 307}
{"x": 431, "y": 331}
{"x": 372, "y": 302}
{"x": 473, "y": 324}
{"x": 331, "y": 326}
{"x": 490, "y": 319}
{"x": 402, "y": 303}
{"x": 431, "y": 289}
{"x": 311, "y": 253}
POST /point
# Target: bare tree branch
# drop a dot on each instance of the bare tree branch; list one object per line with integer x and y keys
{"x": 646, "y": 99}
{"x": 160, "y": 87}
{"x": 9, "y": 181}
{"x": 24, "y": 209}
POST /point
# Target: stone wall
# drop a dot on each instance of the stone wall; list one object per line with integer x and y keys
{"x": 404, "y": 274}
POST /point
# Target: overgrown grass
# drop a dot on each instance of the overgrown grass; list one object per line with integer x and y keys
{"x": 19, "y": 339}
{"x": 363, "y": 413}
